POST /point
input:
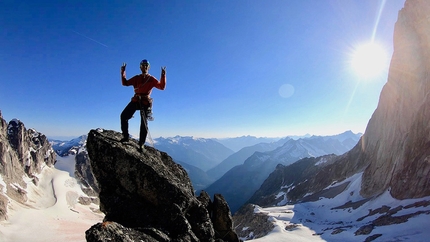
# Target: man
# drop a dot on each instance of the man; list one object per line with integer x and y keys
{"x": 141, "y": 100}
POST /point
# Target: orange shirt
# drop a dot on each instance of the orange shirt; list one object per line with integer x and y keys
{"x": 143, "y": 84}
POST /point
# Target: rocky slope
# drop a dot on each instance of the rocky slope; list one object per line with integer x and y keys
{"x": 23, "y": 153}
{"x": 84, "y": 174}
{"x": 146, "y": 196}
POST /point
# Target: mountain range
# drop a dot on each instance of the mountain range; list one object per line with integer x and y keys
{"x": 240, "y": 156}
{"x": 248, "y": 176}
{"x": 198, "y": 152}
{"x": 64, "y": 148}
{"x": 237, "y": 143}
{"x": 195, "y": 153}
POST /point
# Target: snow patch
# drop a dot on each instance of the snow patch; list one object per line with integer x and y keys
{"x": 263, "y": 157}
{"x": 54, "y": 202}
{"x": 331, "y": 219}
{"x": 321, "y": 161}
{"x": 4, "y": 188}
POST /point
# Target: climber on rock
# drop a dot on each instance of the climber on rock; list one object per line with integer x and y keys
{"x": 143, "y": 84}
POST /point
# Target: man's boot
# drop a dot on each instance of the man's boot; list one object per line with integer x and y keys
{"x": 124, "y": 139}
{"x": 141, "y": 147}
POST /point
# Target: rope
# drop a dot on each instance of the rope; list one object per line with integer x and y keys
{"x": 144, "y": 119}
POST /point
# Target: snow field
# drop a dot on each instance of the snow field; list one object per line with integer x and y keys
{"x": 316, "y": 221}
{"x": 52, "y": 212}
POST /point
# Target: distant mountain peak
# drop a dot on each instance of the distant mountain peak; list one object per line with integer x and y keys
{"x": 23, "y": 153}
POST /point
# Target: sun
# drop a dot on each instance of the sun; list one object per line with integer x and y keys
{"x": 369, "y": 60}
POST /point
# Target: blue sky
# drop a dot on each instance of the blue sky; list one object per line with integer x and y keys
{"x": 261, "y": 68}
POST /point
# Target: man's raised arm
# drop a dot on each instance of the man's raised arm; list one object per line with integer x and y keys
{"x": 123, "y": 78}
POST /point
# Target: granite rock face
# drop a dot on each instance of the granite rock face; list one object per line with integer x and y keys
{"x": 84, "y": 174}
{"x": 23, "y": 152}
{"x": 27, "y": 146}
{"x": 398, "y": 134}
{"x": 146, "y": 194}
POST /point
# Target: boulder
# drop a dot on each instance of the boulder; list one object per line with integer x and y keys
{"x": 145, "y": 193}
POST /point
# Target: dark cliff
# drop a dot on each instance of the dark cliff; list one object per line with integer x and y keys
{"x": 146, "y": 196}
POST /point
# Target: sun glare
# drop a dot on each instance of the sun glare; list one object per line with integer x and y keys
{"x": 369, "y": 60}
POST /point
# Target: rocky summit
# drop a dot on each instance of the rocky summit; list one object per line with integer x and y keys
{"x": 147, "y": 196}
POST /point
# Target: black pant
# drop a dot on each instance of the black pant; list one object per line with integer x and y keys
{"x": 127, "y": 113}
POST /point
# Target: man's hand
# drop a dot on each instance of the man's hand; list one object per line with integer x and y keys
{"x": 163, "y": 70}
{"x": 123, "y": 67}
